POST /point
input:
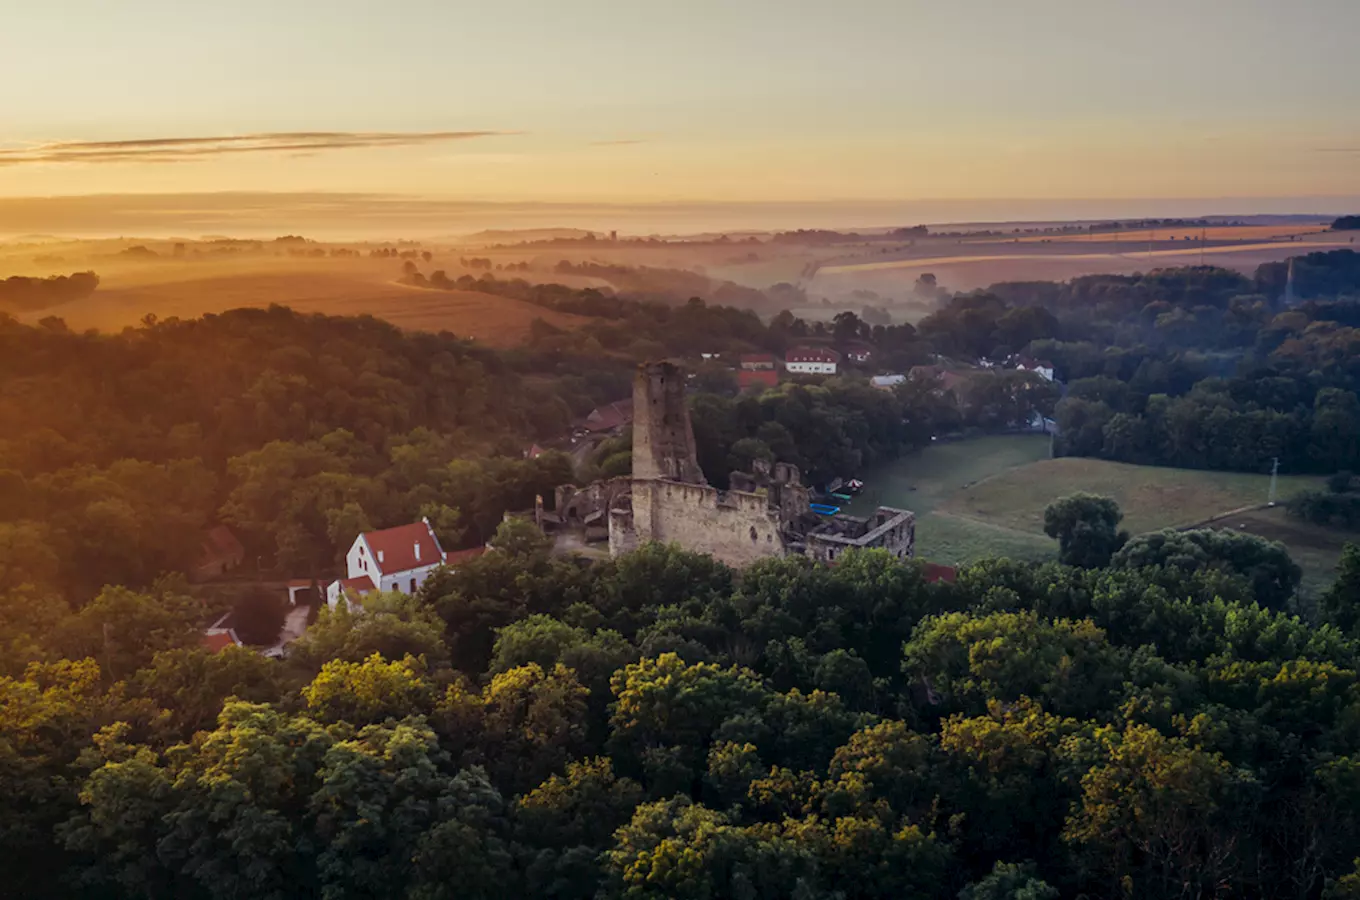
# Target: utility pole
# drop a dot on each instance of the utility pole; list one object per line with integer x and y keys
{"x": 1274, "y": 474}
{"x": 1202, "y": 233}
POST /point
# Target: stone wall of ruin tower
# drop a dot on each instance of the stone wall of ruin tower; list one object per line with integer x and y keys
{"x": 663, "y": 440}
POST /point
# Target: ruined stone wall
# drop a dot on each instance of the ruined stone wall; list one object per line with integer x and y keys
{"x": 576, "y": 506}
{"x": 733, "y": 527}
{"x": 623, "y": 536}
{"x": 892, "y": 530}
{"x": 663, "y": 440}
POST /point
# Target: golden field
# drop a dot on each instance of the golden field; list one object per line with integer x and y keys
{"x": 190, "y": 288}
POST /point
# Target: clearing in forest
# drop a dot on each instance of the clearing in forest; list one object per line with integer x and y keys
{"x": 985, "y": 497}
{"x": 1151, "y": 497}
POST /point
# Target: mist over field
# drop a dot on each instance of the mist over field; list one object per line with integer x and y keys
{"x": 341, "y": 216}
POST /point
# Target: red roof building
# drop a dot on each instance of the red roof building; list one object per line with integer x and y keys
{"x": 218, "y": 639}
{"x": 811, "y": 360}
{"x": 938, "y": 572}
{"x": 859, "y": 352}
{"x": 757, "y": 361}
{"x": 749, "y": 378}
{"x": 361, "y": 585}
{"x": 462, "y": 556}
{"x": 394, "y": 559}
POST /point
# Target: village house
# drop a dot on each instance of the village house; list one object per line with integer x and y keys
{"x": 749, "y": 378}
{"x": 610, "y": 417}
{"x": 755, "y": 362}
{"x": 811, "y": 361}
{"x": 394, "y": 559}
{"x": 887, "y": 382}
{"x": 215, "y": 640}
{"x": 1042, "y": 368}
{"x": 859, "y": 352}
{"x": 220, "y": 635}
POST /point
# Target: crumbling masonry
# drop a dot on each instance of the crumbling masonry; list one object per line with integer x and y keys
{"x": 667, "y": 498}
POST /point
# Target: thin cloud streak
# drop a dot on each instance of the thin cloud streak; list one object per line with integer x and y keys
{"x": 188, "y": 149}
{"x": 626, "y": 143}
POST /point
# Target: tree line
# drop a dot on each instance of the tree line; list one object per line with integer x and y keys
{"x": 661, "y": 726}
{"x": 19, "y": 293}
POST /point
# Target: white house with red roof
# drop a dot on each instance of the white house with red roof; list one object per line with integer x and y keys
{"x": 394, "y": 559}
{"x": 811, "y": 361}
{"x": 1042, "y": 367}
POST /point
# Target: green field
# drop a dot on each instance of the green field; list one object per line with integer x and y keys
{"x": 1151, "y": 497}
{"x": 926, "y": 481}
{"x": 985, "y": 497}
{"x": 1316, "y": 549}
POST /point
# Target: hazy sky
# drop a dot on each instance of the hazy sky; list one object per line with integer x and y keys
{"x": 759, "y": 100}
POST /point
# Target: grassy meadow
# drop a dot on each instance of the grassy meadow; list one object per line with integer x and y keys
{"x": 986, "y": 496}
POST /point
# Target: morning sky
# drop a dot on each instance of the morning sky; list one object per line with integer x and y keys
{"x": 604, "y": 100}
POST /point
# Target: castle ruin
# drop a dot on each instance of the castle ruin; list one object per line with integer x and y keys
{"x": 667, "y": 498}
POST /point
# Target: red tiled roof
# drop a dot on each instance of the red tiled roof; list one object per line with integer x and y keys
{"x": 299, "y": 582}
{"x": 462, "y": 556}
{"x": 751, "y": 377}
{"x": 216, "y": 643}
{"x": 394, "y": 549}
{"x": 812, "y": 354}
{"x": 361, "y": 585}
{"x": 757, "y": 359}
{"x": 937, "y": 572}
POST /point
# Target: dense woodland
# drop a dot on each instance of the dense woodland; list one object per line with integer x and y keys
{"x": 1154, "y": 717}
{"x": 660, "y": 726}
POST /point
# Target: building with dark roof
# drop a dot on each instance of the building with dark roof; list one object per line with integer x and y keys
{"x": 221, "y": 552}
{"x": 610, "y": 417}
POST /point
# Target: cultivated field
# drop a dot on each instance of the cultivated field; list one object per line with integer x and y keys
{"x": 1213, "y": 233}
{"x": 986, "y": 497}
{"x": 966, "y": 263}
{"x": 334, "y": 287}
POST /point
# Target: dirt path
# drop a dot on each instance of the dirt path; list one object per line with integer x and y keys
{"x": 293, "y": 627}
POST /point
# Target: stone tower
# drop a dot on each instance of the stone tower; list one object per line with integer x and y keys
{"x": 663, "y": 441}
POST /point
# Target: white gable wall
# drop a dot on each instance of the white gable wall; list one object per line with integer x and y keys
{"x": 359, "y": 561}
{"x": 401, "y": 581}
